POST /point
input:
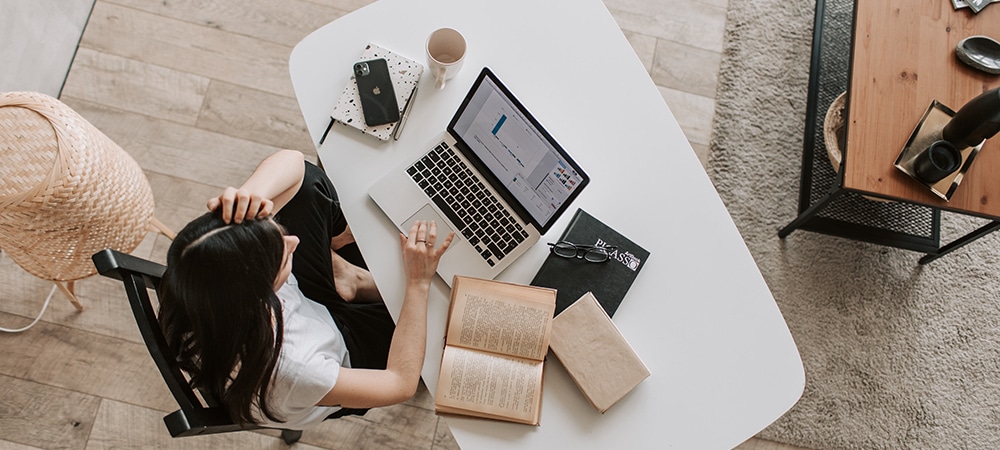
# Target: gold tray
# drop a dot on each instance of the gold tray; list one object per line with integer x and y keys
{"x": 926, "y": 132}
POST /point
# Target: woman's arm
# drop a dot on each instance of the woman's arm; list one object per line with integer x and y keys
{"x": 365, "y": 388}
{"x": 271, "y": 185}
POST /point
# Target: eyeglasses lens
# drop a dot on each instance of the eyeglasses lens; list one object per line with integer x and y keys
{"x": 564, "y": 249}
{"x": 596, "y": 255}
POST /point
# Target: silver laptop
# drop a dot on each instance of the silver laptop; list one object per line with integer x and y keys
{"x": 496, "y": 178}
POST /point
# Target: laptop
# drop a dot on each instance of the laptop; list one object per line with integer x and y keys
{"x": 495, "y": 177}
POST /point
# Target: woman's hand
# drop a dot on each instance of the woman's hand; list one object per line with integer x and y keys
{"x": 271, "y": 185}
{"x": 364, "y": 388}
{"x": 420, "y": 256}
{"x": 241, "y": 204}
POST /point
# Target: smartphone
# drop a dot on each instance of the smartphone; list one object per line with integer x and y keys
{"x": 378, "y": 98}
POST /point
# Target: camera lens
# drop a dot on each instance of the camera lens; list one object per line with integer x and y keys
{"x": 361, "y": 69}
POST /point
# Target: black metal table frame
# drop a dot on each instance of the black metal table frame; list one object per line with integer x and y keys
{"x": 825, "y": 206}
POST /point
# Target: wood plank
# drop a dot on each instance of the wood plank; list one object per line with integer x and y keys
{"x": 105, "y": 313}
{"x": 286, "y": 22}
{"x": 33, "y": 414}
{"x": 178, "y": 201}
{"x": 8, "y": 445}
{"x": 394, "y": 427}
{"x": 121, "y": 425}
{"x": 694, "y": 24}
{"x": 644, "y": 47}
{"x": 406, "y": 418}
{"x": 182, "y": 46}
{"x": 701, "y": 151}
{"x": 443, "y": 439}
{"x": 346, "y": 5}
{"x": 694, "y": 114}
{"x": 169, "y": 148}
{"x": 255, "y": 115}
{"x": 106, "y": 309}
{"x": 136, "y": 86}
{"x": 84, "y": 362}
{"x": 404, "y": 426}
{"x": 685, "y": 68}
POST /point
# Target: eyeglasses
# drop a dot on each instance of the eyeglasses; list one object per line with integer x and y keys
{"x": 589, "y": 253}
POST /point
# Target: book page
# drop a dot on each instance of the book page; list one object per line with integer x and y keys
{"x": 499, "y": 317}
{"x": 495, "y": 385}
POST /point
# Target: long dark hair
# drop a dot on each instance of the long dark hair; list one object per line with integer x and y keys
{"x": 218, "y": 310}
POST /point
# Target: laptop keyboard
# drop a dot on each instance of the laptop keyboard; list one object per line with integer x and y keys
{"x": 470, "y": 206}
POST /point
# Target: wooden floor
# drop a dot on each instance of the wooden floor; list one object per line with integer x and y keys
{"x": 197, "y": 91}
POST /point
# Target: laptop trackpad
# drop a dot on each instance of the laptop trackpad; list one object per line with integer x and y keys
{"x": 428, "y": 213}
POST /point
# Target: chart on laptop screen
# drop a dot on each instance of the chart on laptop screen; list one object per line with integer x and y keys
{"x": 517, "y": 152}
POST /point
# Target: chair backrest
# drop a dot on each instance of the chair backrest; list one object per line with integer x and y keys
{"x": 139, "y": 276}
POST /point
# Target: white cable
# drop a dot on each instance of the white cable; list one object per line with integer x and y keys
{"x": 46, "y": 305}
{"x": 40, "y": 313}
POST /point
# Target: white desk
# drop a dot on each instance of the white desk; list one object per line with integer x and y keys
{"x": 723, "y": 363}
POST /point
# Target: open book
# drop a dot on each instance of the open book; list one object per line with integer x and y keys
{"x": 495, "y": 345}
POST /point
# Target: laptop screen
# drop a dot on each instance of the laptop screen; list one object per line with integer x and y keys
{"x": 514, "y": 147}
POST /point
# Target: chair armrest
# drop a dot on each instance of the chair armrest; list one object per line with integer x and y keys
{"x": 111, "y": 263}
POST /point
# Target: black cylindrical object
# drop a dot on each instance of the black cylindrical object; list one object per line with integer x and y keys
{"x": 976, "y": 121}
{"x": 938, "y": 161}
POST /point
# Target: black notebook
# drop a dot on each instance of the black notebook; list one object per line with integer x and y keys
{"x": 573, "y": 277}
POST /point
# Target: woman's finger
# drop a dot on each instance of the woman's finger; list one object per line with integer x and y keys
{"x": 227, "y": 205}
{"x": 421, "y": 231}
{"x": 444, "y": 246}
{"x": 242, "y": 203}
{"x": 253, "y": 209}
{"x": 266, "y": 206}
{"x": 431, "y": 233}
{"x": 411, "y": 238}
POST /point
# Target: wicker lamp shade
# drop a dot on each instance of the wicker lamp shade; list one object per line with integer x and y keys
{"x": 66, "y": 190}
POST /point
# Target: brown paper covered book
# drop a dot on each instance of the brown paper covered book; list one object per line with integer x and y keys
{"x": 495, "y": 344}
{"x": 596, "y": 355}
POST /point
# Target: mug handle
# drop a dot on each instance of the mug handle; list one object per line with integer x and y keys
{"x": 439, "y": 82}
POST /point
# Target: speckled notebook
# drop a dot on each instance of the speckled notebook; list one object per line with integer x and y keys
{"x": 405, "y": 75}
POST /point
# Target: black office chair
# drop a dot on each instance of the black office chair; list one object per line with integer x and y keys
{"x": 194, "y": 418}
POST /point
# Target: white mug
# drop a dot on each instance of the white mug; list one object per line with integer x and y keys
{"x": 445, "y": 54}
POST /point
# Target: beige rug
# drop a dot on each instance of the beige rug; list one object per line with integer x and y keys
{"x": 896, "y": 355}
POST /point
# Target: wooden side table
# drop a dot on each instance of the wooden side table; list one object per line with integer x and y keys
{"x": 901, "y": 56}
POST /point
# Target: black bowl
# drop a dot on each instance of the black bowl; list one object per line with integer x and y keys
{"x": 980, "y": 52}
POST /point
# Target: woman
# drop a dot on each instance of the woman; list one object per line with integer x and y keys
{"x": 273, "y": 311}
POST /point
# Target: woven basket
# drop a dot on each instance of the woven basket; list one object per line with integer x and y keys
{"x": 833, "y": 135}
{"x": 833, "y": 131}
{"x": 66, "y": 190}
